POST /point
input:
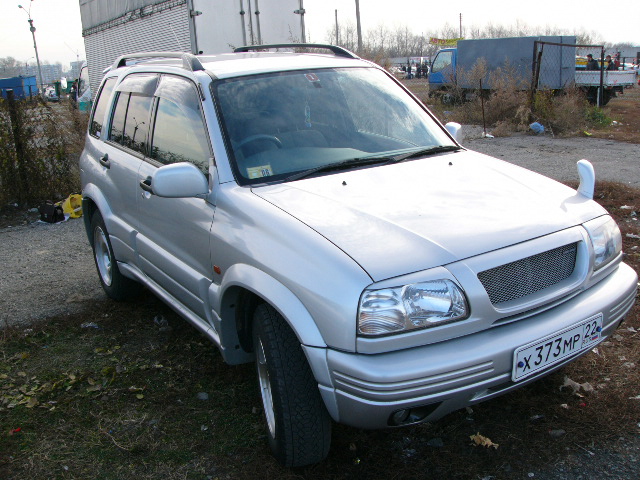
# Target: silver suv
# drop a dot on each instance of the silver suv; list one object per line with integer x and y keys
{"x": 306, "y": 212}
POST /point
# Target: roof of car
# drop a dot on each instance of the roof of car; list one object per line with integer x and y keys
{"x": 238, "y": 64}
{"x": 227, "y": 65}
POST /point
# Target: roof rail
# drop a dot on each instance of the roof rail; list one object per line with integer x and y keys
{"x": 189, "y": 61}
{"x": 338, "y": 51}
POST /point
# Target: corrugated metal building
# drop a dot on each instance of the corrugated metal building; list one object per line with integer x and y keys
{"x": 116, "y": 27}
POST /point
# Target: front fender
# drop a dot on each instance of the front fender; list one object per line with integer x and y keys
{"x": 276, "y": 294}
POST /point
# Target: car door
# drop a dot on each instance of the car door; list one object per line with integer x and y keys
{"x": 118, "y": 150}
{"x": 173, "y": 239}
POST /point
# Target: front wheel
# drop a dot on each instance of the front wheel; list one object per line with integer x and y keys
{"x": 116, "y": 285}
{"x": 298, "y": 424}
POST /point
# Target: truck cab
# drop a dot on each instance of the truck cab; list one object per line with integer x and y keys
{"x": 443, "y": 69}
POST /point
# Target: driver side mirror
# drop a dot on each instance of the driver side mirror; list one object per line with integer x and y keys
{"x": 179, "y": 180}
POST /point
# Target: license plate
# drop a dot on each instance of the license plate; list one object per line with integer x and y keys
{"x": 534, "y": 357}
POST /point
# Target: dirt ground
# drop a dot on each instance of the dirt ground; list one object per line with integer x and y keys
{"x": 625, "y": 110}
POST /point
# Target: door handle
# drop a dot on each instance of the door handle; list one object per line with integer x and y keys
{"x": 104, "y": 161}
{"x": 146, "y": 185}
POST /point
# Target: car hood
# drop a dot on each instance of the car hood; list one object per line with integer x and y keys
{"x": 408, "y": 217}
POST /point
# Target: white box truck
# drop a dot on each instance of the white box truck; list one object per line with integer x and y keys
{"x": 116, "y": 27}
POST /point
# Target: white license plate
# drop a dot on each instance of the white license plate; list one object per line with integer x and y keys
{"x": 534, "y": 357}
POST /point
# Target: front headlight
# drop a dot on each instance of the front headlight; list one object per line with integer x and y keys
{"x": 419, "y": 305}
{"x": 606, "y": 240}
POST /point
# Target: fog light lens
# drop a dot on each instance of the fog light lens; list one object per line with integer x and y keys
{"x": 399, "y": 417}
{"x": 408, "y": 416}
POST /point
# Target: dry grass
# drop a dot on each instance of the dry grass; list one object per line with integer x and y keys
{"x": 509, "y": 108}
{"x": 625, "y": 111}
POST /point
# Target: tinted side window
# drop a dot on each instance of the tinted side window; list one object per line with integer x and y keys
{"x": 130, "y": 123}
{"x": 179, "y": 133}
{"x": 136, "y": 124}
{"x": 95, "y": 126}
{"x": 119, "y": 116}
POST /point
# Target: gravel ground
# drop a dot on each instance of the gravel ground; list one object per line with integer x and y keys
{"x": 54, "y": 266}
{"x": 47, "y": 270}
{"x": 557, "y": 157}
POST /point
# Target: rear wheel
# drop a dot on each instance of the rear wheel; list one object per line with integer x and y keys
{"x": 298, "y": 424}
{"x": 116, "y": 285}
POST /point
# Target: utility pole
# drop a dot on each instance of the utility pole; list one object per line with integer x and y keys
{"x": 244, "y": 26}
{"x": 460, "y": 26}
{"x": 337, "y": 30}
{"x": 258, "y": 23}
{"x": 301, "y": 11}
{"x": 32, "y": 29}
{"x": 251, "y": 36}
{"x": 359, "y": 27}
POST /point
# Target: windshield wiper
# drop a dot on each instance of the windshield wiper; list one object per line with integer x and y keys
{"x": 360, "y": 161}
{"x": 344, "y": 165}
{"x": 423, "y": 153}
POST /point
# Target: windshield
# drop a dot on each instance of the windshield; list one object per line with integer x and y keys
{"x": 279, "y": 125}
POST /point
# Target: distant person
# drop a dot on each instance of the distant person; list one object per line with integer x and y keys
{"x": 591, "y": 63}
{"x": 73, "y": 92}
{"x": 610, "y": 63}
{"x": 616, "y": 60}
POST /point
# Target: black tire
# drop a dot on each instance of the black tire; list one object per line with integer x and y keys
{"x": 116, "y": 285}
{"x": 298, "y": 424}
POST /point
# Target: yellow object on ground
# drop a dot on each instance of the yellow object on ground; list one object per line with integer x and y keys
{"x": 72, "y": 205}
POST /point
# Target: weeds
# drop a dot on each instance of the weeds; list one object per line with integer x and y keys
{"x": 39, "y": 148}
{"x": 508, "y": 106}
{"x": 597, "y": 117}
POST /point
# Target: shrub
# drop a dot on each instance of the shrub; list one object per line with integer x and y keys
{"x": 39, "y": 148}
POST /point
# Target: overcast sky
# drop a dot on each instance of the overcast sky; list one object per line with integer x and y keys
{"x": 59, "y": 30}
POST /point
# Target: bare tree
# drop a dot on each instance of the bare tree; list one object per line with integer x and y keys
{"x": 382, "y": 42}
{"x": 348, "y": 35}
{"x": 9, "y": 67}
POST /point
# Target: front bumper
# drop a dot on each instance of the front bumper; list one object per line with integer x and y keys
{"x": 366, "y": 390}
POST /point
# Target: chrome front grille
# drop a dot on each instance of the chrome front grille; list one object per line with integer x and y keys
{"x": 529, "y": 275}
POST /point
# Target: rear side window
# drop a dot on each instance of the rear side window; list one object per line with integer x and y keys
{"x": 130, "y": 123}
{"x": 95, "y": 126}
{"x": 179, "y": 133}
{"x": 119, "y": 116}
{"x": 131, "y": 114}
{"x": 136, "y": 124}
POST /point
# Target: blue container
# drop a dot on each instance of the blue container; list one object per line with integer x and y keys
{"x": 23, "y": 87}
